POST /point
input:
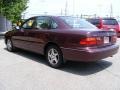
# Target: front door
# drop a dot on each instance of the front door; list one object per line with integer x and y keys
{"x": 20, "y": 38}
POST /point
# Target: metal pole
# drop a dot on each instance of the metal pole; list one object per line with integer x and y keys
{"x": 111, "y": 10}
{"x": 66, "y": 6}
{"x": 73, "y": 7}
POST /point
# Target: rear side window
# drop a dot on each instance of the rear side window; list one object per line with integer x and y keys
{"x": 42, "y": 22}
{"x": 45, "y": 22}
{"x": 94, "y": 21}
{"x": 110, "y": 22}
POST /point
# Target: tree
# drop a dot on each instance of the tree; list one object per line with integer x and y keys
{"x": 12, "y": 9}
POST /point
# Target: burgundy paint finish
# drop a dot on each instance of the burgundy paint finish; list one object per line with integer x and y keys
{"x": 67, "y": 39}
{"x": 89, "y": 54}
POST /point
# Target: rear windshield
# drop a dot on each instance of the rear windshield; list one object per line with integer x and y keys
{"x": 118, "y": 20}
{"x": 75, "y": 22}
{"x": 110, "y": 22}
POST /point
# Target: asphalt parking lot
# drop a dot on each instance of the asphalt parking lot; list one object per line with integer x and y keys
{"x": 23, "y": 70}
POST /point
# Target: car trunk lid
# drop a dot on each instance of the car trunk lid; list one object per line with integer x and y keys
{"x": 99, "y": 38}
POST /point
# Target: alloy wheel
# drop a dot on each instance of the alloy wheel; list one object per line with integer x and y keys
{"x": 9, "y": 45}
{"x": 53, "y": 56}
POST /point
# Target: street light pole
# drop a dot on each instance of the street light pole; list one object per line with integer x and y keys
{"x": 111, "y": 10}
{"x": 66, "y": 6}
{"x": 73, "y": 7}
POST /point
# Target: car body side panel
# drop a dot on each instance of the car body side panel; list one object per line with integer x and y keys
{"x": 20, "y": 39}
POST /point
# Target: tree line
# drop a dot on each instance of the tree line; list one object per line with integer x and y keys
{"x": 12, "y": 9}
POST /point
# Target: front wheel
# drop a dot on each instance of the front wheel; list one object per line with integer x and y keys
{"x": 9, "y": 45}
{"x": 54, "y": 56}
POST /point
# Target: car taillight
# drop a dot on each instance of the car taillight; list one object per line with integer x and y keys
{"x": 90, "y": 41}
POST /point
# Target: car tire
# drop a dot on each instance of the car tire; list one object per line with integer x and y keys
{"x": 54, "y": 56}
{"x": 9, "y": 45}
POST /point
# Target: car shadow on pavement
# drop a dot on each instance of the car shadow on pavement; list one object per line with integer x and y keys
{"x": 78, "y": 68}
{"x": 30, "y": 56}
{"x": 84, "y": 69}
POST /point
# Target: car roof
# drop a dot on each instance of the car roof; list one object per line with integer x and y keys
{"x": 112, "y": 18}
{"x": 52, "y": 16}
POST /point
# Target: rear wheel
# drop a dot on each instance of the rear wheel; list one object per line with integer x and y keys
{"x": 54, "y": 56}
{"x": 9, "y": 45}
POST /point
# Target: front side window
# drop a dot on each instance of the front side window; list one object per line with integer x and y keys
{"x": 28, "y": 24}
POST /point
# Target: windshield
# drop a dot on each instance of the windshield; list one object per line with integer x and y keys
{"x": 75, "y": 22}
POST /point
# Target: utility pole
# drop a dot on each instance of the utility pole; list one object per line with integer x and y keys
{"x": 111, "y": 10}
{"x": 45, "y": 13}
{"x": 66, "y": 7}
{"x": 73, "y": 7}
{"x": 61, "y": 12}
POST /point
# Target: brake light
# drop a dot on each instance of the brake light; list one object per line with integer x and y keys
{"x": 90, "y": 41}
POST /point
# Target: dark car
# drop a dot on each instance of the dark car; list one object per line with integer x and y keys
{"x": 106, "y": 24}
{"x": 62, "y": 38}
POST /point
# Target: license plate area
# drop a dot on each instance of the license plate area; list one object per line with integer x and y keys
{"x": 106, "y": 40}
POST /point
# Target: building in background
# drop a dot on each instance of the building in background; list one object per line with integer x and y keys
{"x": 5, "y": 25}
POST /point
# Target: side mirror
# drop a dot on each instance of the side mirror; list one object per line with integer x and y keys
{"x": 17, "y": 28}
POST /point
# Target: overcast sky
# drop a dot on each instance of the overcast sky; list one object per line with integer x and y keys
{"x": 74, "y": 7}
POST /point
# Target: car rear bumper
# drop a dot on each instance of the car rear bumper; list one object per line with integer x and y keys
{"x": 87, "y": 55}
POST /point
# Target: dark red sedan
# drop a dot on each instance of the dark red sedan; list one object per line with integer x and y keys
{"x": 62, "y": 38}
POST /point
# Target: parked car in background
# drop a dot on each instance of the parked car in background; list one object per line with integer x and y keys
{"x": 118, "y": 20}
{"x": 106, "y": 24}
{"x": 62, "y": 38}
